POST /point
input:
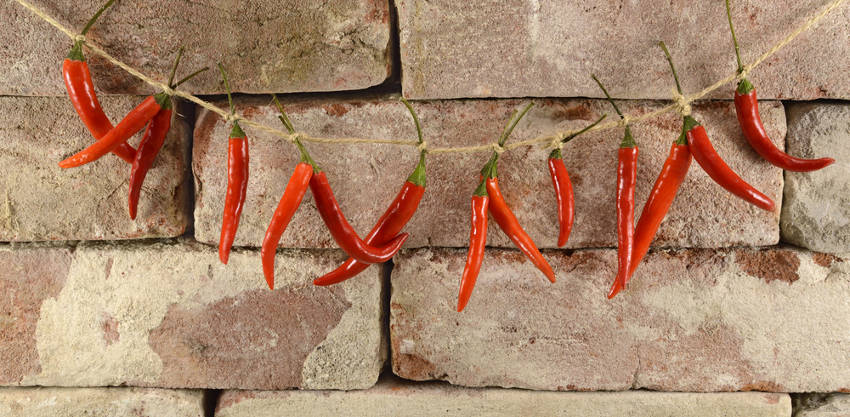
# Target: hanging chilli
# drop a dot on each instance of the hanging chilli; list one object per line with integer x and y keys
{"x": 563, "y": 187}
{"x": 713, "y": 165}
{"x": 78, "y": 82}
{"x": 747, "y": 109}
{"x": 393, "y": 220}
{"x": 237, "y": 181}
{"x": 626, "y": 181}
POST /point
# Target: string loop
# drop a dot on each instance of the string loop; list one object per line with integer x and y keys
{"x": 683, "y": 104}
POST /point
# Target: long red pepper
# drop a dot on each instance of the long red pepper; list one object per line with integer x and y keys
{"x": 477, "y": 241}
{"x": 78, "y": 82}
{"x": 626, "y": 182}
{"x": 151, "y": 143}
{"x": 289, "y": 202}
{"x": 237, "y": 182}
{"x": 747, "y": 110}
{"x": 392, "y": 221}
{"x": 149, "y": 147}
{"x": 564, "y": 187}
{"x": 711, "y": 162}
{"x": 661, "y": 197}
{"x": 503, "y": 215}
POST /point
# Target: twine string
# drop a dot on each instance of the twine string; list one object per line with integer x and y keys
{"x": 681, "y": 102}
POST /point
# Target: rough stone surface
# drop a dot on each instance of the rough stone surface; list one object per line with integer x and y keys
{"x": 695, "y": 320}
{"x": 816, "y": 210}
{"x": 491, "y": 48}
{"x": 99, "y": 402}
{"x": 170, "y": 315}
{"x": 823, "y": 405}
{"x": 40, "y": 201}
{"x": 267, "y": 46}
{"x": 398, "y": 398}
{"x": 366, "y": 178}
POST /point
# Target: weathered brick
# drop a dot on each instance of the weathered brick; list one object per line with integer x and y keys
{"x": 465, "y": 49}
{"x": 816, "y": 210}
{"x": 267, "y": 46}
{"x": 40, "y": 201}
{"x": 170, "y": 315}
{"x": 399, "y": 398}
{"x": 99, "y": 402}
{"x": 694, "y": 320}
{"x": 367, "y": 177}
{"x": 823, "y": 405}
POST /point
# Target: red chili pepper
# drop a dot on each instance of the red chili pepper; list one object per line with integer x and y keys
{"x": 237, "y": 181}
{"x": 345, "y": 235}
{"x": 289, "y": 202}
{"x": 564, "y": 188}
{"x": 717, "y": 169}
{"x": 747, "y": 110}
{"x": 477, "y": 241}
{"x": 400, "y": 211}
{"x": 152, "y": 142}
{"x": 132, "y": 123}
{"x": 626, "y": 182}
{"x": 78, "y": 82}
{"x": 149, "y": 147}
{"x": 237, "y": 189}
{"x": 660, "y": 198}
{"x": 508, "y": 222}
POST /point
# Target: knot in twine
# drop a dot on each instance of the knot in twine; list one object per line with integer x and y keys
{"x": 296, "y": 137}
{"x": 168, "y": 90}
{"x": 232, "y": 118}
{"x": 498, "y": 148}
{"x": 80, "y": 38}
{"x": 557, "y": 142}
{"x": 745, "y": 70}
{"x": 683, "y": 105}
{"x": 625, "y": 121}
{"x": 422, "y": 146}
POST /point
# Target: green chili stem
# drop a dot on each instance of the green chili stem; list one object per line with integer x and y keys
{"x": 608, "y": 96}
{"x": 227, "y": 88}
{"x": 190, "y": 76}
{"x": 174, "y": 67}
{"x": 510, "y": 128}
{"x": 415, "y": 118}
{"x": 283, "y": 117}
{"x": 96, "y": 15}
{"x": 586, "y": 128}
{"x": 734, "y": 38}
{"x": 672, "y": 67}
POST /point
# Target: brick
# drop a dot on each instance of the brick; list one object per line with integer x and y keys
{"x": 271, "y": 46}
{"x": 693, "y": 320}
{"x": 550, "y": 49}
{"x": 823, "y": 405}
{"x": 40, "y": 201}
{"x": 399, "y": 398}
{"x": 170, "y": 315}
{"x": 365, "y": 178}
{"x": 99, "y": 402}
{"x": 816, "y": 210}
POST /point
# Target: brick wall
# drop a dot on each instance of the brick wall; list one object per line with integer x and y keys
{"x": 735, "y": 312}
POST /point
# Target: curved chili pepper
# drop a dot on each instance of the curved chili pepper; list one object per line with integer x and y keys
{"x": 78, "y": 82}
{"x": 660, "y": 198}
{"x": 564, "y": 188}
{"x": 149, "y": 147}
{"x": 477, "y": 241}
{"x": 626, "y": 181}
{"x": 563, "y": 195}
{"x": 237, "y": 190}
{"x": 133, "y": 122}
{"x": 508, "y": 222}
{"x": 388, "y": 226}
{"x": 716, "y": 168}
{"x": 747, "y": 110}
{"x": 289, "y": 202}
{"x": 345, "y": 235}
